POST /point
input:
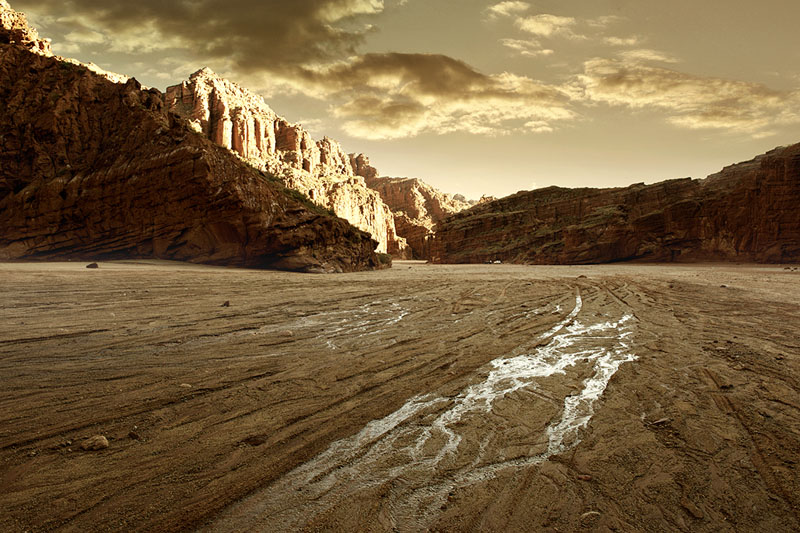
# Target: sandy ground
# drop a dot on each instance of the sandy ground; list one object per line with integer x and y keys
{"x": 444, "y": 398}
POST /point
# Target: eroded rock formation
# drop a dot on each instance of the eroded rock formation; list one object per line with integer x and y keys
{"x": 14, "y": 29}
{"x": 417, "y": 206}
{"x": 242, "y": 122}
{"x": 746, "y": 212}
{"x": 94, "y": 169}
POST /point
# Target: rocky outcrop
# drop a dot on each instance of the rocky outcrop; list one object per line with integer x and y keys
{"x": 93, "y": 169}
{"x": 242, "y": 122}
{"x": 14, "y": 29}
{"x": 417, "y": 206}
{"x": 747, "y": 212}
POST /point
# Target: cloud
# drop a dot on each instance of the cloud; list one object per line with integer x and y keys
{"x": 507, "y": 9}
{"x": 400, "y": 95}
{"x": 693, "y": 102}
{"x": 605, "y": 21}
{"x": 269, "y": 34}
{"x": 646, "y": 54}
{"x": 527, "y": 47}
{"x": 623, "y": 41}
{"x": 85, "y": 37}
{"x": 312, "y": 47}
{"x": 549, "y": 25}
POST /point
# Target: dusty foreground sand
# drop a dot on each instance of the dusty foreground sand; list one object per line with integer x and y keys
{"x": 470, "y": 398}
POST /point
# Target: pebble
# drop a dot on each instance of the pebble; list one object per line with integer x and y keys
{"x": 186, "y": 385}
{"x": 92, "y": 265}
{"x": 98, "y": 442}
{"x": 226, "y": 304}
{"x": 584, "y": 477}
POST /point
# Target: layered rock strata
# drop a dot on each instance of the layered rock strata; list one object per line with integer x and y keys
{"x": 417, "y": 207}
{"x": 746, "y": 212}
{"x": 242, "y": 122}
{"x": 93, "y": 169}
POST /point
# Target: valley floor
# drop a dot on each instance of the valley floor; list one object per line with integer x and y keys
{"x": 445, "y": 398}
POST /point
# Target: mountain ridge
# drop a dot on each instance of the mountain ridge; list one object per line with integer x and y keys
{"x": 745, "y": 212}
{"x": 92, "y": 168}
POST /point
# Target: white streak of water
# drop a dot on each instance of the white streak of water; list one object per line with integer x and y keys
{"x": 423, "y": 442}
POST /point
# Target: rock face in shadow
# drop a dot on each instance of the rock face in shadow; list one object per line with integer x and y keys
{"x": 94, "y": 169}
{"x": 417, "y": 208}
{"x": 746, "y": 212}
{"x": 243, "y": 123}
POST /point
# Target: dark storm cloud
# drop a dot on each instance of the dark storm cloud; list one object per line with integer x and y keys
{"x": 253, "y": 34}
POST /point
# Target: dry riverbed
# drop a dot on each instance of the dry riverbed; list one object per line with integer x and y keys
{"x": 445, "y": 398}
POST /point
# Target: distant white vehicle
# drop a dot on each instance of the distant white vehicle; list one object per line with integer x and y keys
{"x": 498, "y": 262}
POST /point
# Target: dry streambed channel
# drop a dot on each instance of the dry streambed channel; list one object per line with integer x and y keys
{"x": 449, "y": 398}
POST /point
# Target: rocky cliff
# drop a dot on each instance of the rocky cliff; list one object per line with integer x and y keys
{"x": 14, "y": 29}
{"x": 417, "y": 207}
{"x": 242, "y": 122}
{"x": 94, "y": 169}
{"x": 747, "y": 212}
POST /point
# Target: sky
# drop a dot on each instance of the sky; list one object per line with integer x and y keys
{"x": 479, "y": 97}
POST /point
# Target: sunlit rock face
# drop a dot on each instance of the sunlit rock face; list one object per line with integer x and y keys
{"x": 746, "y": 212}
{"x": 95, "y": 169}
{"x": 14, "y": 29}
{"x": 242, "y": 122}
{"x": 417, "y": 208}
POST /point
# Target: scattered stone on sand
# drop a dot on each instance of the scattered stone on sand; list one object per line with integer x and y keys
{"x": 186, "y": 385}
{"x": 92, "y": 265}
{"x": 582, "y": 277}
{"x": 134, "y": 436}
{"x": 97, "y": 442}
{"x": 287, "y": 333}
{"x": 226, "y": 304}
{"x": 584, "y": 477}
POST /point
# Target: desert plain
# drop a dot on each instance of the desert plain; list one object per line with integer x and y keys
{"x": 619, "y": 397}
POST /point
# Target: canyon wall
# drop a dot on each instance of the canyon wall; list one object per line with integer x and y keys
{"x": 417, "y": 208}
{"x": 746, "y": 212}
{"x": 242, "y": 122}
{"x": 93, "y": 169}
{"x": 14, "y": 29}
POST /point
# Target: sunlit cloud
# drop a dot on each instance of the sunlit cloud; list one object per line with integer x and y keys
{"x": 527, "y": 47}
{"x": 647, "y": 54}
{"x": 402, "y": 95}
{"x": 623, "y": 41}
{"x": 507, "y": 9}
{"x": 604, "y": 21}
{"x": 690, "y": 101}
{"x": 549, "y": 25}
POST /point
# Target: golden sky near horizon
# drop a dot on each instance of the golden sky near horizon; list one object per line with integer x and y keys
{"x": 479, "y": 97}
